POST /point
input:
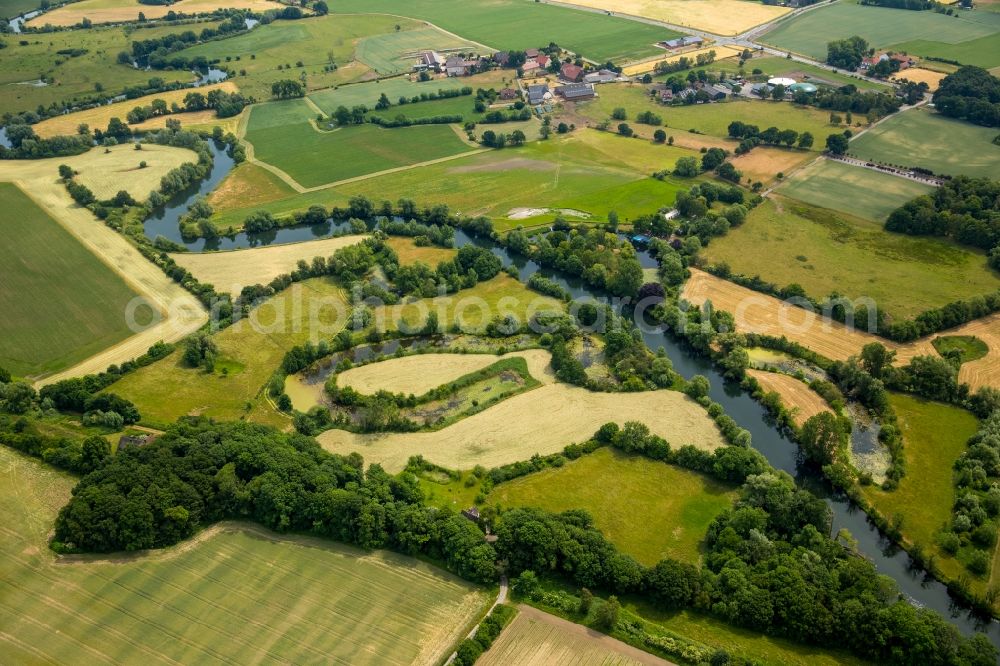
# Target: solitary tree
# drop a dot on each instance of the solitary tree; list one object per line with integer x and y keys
{"x": 836, "y": 144}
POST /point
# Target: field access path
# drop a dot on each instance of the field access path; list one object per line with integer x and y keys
{"x": 180, "y": 313}
{"x": 501, "y": 597}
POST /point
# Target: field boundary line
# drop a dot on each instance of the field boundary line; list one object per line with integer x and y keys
{"x": 419, "y": 20}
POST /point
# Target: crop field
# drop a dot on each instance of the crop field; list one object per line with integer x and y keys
{"x": 316, "y": 43}
{"x": 921, "y": 75}
{"x": 60, "y": 303}
{"x": 98, "y": 117}
{"x": 72, "y": 78}
{"x": 759, "y": 313}
{"x": 106, "y": 173}
{"x": 970, "y": 38}
{"x": 248, "y": 185}
{"x": 235, "y": 593}
{"x": 864, "y": 193}
{"x": 926, "y": 139}
{"x": 114, "y": 11}
{"x": 368, "y": 93}
{"x": 395, "y": 52}
{"x": 161, "y": 293}
{"x": 541, "y": 421}
{"x": 786, "y": 242}
{"x": 934, "y": 435}
{"x": 720, "y": 17}
{"x": 795, "y": 394}
{"x": 420, "y": 373}
{"x": 11, "y": 8}
{"x": 710, "y": 119}
{"x": 231, "y": 271}
{"x": 536, "y": 638}
{"x": 249, "y": 352}
{"x": 306, "y": 154}
{"x": 587, "y": 170}
{"x": 985, "y": 370}
{"x": 763, "y": 164}
{"x": 512, "y": 24}
{"x": 678, "y": 504}
{"x": 721, "y": 52}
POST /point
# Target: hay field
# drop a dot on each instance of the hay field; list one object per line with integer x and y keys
{"x": 61, "y": 304}
{"x": 536, "y": 638}
{"x": 105, "y": 173}
{"x": 231, "y": 271}
{"x": 787, "y": 242}
{"x": 542, "y": 421}
{"x": 304, "y": 153}
{"x": 183, "y": 313}
{"x": 763, "y": 164}
{"x": 249, "y": 352}
{"x": 99, "y": 117}
{"x": 986, "y": 370}
{"x": 248, "y": 185}
{"x": 759, "y": 313}
{"x": 409, "y": 252}
{"x": 119, "y": 11}
{"x": 514, "y": 24}
{"x": 720, "y": 17}
{"x": 678, "y": 504}
{"x": 797, "y": 396}
{"x": 921, "y": 75}
{"x": 419, "y": 373}
{"x": 235, "y": 593}
{"x": 920, "y": 137}
{"x": 865, "y": 193}
{"x": 721, "y": 52}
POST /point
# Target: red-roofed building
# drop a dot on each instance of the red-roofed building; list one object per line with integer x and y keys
{"x": 542, "y": 60}
{"x": 572, "y": 73}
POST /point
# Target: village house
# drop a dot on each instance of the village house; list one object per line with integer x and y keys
{"x": 575, "y": 92}
{"x": 531, "y": 53}
{"x": 543, "y": 60}
{"x": 134, "y": 441}
{"x": 904, "y": 60}
{"x": 530, "y": 67}
{"x": 501, "y": 58}
{"x": 571, "y": 73}
{"x": 716, "y": 93}
{"x": 538, "y": 94}
{"x": 681, "y": 42}
{"x": 430, "y": 60}
{"x": 508, "y": 93}
{"x": 472, "y": 513}
{"x": 458, "y": 66}
{"x": 666, "y": 96}
{"x": 603, "y": 76}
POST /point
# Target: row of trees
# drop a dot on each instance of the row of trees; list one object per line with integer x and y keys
{"x": 751, "y": 136}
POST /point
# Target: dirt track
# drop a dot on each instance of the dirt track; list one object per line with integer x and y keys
{"x": 759, "y": 313}
{"x": 182, "y": 314}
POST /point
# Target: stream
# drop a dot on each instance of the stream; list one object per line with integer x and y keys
{"x": 783, "y": 454}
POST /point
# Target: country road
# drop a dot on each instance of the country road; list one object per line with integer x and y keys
{"x": 501, "y": 597}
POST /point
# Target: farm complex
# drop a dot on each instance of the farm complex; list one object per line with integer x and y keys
{"x": 500, "y": 332}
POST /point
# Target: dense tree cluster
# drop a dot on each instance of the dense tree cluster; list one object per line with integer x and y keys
{"x": 26, "y": 145}
{"x": 201, "y": 472}
{"x": 972, "y": 94}
{"x": 751, "y": 136}
{"x": 847, "y": 53}
{"x": 977, "y": 505}
{"x": 162, "y": 52}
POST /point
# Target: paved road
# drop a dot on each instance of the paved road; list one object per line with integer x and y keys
{"x": 501, "y": 597}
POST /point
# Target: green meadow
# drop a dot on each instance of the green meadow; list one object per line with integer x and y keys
{"x": 61, "y": 304}
{"x": 394, "y": 52}
{"x": 518, "y": 24}
{"x": 368, "y": 93}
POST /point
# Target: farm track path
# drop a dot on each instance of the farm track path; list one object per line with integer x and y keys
{"x": 180, "y": 313}
{"x": 501, "y": 597}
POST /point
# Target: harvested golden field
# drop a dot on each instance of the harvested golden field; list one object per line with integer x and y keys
{"x": 108, "y": 170}
{"x": 984, "y": 371}
{"x": 649, "y": 65}
{"x": 721, "y": 17}
{"x": 187, "y": 119}
{"x": 99, "y": 117}
{"x": 248, "y": 185}
{"x": 759, "y": 313}
{"x": 39, "y": 179}
{"x": 797, "y": 396}
{"x": 763, "y": 164}
{"x": 410, "y": 253}
{"x": 419, "y": 373}
{"x": 921, "y": 75}
{"x": 536, "y": 638}
{"x": 543, "y": 420}
{"x": 231, "y": 271}
{"x": 115, "y": 11}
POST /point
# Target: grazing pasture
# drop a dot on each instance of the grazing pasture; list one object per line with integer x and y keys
{"x": 677, "y": 504}
{"x": 395, "y": 52}
{"x": 234, "y": 593}
{"x": 249, "y": 352}
{"x": 864, "y": 193}
{"x": 118, "y": 11}
{"x": 99, "y": 117}
{"x": 920, "y": 137}
{"x": 720, "y": 17}
{"x": 419, "y": 373}
{"x": 72, "y": 78}
{"x": 787, "y": 242}
{"x": 795, "y": 394}
{"x": 409, "y": 252}
{"x": 969, "y": 348}
{"x": 512, "y": 24}
{"x": 969, "y": 37}
{"x": 316, "y": 158}
{"x": 248, "y": 185}
{"x": 231, "y": 271}
{"x": 368, "y": 93}
{"x": 541, "y": 421}
{"x": 61, "y": 304}
{"x": 536, "y": 638}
